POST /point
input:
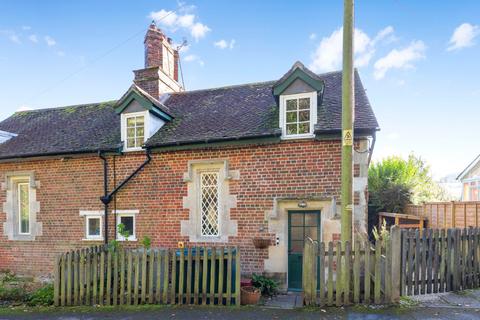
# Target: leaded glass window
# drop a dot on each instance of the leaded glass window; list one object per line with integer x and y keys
{"x": 209, "y": 203}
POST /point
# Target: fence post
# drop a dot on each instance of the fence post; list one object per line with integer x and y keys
{"x": 56, "y": 288}
{"x": 396, "y": 258}
{"x": 309, "y": 273}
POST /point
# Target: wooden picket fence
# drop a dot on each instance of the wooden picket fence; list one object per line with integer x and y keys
{"x": 98, "y": 276}
{"x": 411, "y": 262}
{"x": 336, "y": 276}
{"x": 440, "y": 260}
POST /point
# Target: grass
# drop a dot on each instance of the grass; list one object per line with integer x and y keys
{"x": 23, "y": 309}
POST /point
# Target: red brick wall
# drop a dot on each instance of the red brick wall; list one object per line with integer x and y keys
{"x": 287, "y": 169}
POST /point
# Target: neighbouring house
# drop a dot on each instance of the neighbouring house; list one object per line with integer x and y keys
{"x": 470, "y": 179}
{"x": 219, "y": 166}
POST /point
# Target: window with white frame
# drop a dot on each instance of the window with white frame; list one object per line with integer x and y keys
{"x": 134, "y": 130}
{"x": 93, "y": 225}
{"x": 23, "y": 207}
{"x": 209, "y": 203}
{"x": 298, "y": 115}
{"x": 127, "y": 221}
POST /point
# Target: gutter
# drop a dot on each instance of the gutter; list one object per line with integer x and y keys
{"x": 278, "y": 133}
{"x": 56, "y": 153}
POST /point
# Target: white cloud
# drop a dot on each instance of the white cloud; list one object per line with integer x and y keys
{"x": 60, "y": 53}
{"x": 50, "y": 41}
{"x": 194, "y": 58}
{"x": 14, "y": 38}
{"x": 24, "y": 108}
{"x": 312, "y": 36}
{"x": 26, "y": 28}
{"x": 400, "y": 59}
{"x": 33, "y": 38}
{"x": 223, "y": 44}
{"x": 328, "y": 55}
{"x": 199, "y": 30}
{"x": 186, "y": 20}
{"x": 11, "y": 35}
{"x": 463, "y": 36}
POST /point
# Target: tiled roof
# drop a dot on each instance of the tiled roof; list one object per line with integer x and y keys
{"x": 227, "y": 113}
{"x": 251, "y": 110}
{"x": 73, "y": 129}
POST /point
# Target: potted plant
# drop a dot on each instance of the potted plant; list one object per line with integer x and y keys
{"x": 267, "y": 286}
{"x": 250, "y": 295}
{"x": 261, "y": 243}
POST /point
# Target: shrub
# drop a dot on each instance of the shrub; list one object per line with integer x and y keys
{"x": 267, "y": 286}
{"x": 7, "y": 276}
{"x": 146, "y": 242}
{"x": 12, "y": 293}
{"x": 42, "y": 296}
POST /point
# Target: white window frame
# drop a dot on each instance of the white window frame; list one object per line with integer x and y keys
{"x": 127, "y": 213}
{"x": 313, "y": 114}
{"x": 19, "y": 206}
{"x": 146, "y": 128}
{"x": 219, "y": 202}
{"x": 92, "y": 215}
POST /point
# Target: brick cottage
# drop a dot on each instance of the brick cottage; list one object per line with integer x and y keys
{"x": 218, "y": 166}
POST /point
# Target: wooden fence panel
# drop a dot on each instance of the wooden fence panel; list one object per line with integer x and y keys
{"x": 445, "y": 215}
{"x": 100, "y": 276}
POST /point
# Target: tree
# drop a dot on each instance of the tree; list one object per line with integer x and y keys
{"x": 395, "y": 182}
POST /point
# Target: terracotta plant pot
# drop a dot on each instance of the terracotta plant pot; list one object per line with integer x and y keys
{"x": 261, "y": 243}
{"x": 250, "y": 295}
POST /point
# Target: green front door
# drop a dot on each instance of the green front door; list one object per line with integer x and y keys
{"x": 301, "y": 224}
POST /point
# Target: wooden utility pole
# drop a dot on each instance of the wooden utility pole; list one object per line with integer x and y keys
{"x": 347, "y": 122}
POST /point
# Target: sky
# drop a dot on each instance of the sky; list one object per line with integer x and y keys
{"x": 418, "y": 60}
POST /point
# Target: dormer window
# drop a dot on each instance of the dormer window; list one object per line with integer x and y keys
{"x": 134, "y": 128}
{"x": 298, "y": 115}
{"x": 141, "y": 116}
{"x": 135, "y": 131}
{"x": 298, "y": 92}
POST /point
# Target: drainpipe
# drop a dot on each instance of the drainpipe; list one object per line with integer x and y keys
{"x": 105, "y": 192}
{"x": 374, "y": 139}
{"x": 108, "y": 197}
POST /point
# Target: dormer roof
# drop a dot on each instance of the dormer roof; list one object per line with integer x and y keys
{"x": 298, "y": 71}
{"x": 146, "y": 101}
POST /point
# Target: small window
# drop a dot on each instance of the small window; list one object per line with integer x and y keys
{"x": 298, "y": 115}
{"x": 135, "y": 131}
{"x": 94, "y": 227}
{"x": 23, "y": 195}
{"x": 209, "y": 203}
{"x": 128, "y": 222}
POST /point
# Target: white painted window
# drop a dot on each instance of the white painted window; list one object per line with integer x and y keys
{"x": 298, "y": 115}
{"x": 23, "y": 208}
{"x": 134, "y": 130}
{"x": 93, "y": 225}
{"x": 128, "y": 219}
{"x": 209, "y": 203}
{"x": 135, "y": 134}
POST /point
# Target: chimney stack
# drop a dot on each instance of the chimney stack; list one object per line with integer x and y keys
{"x": 160, "y": 74}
